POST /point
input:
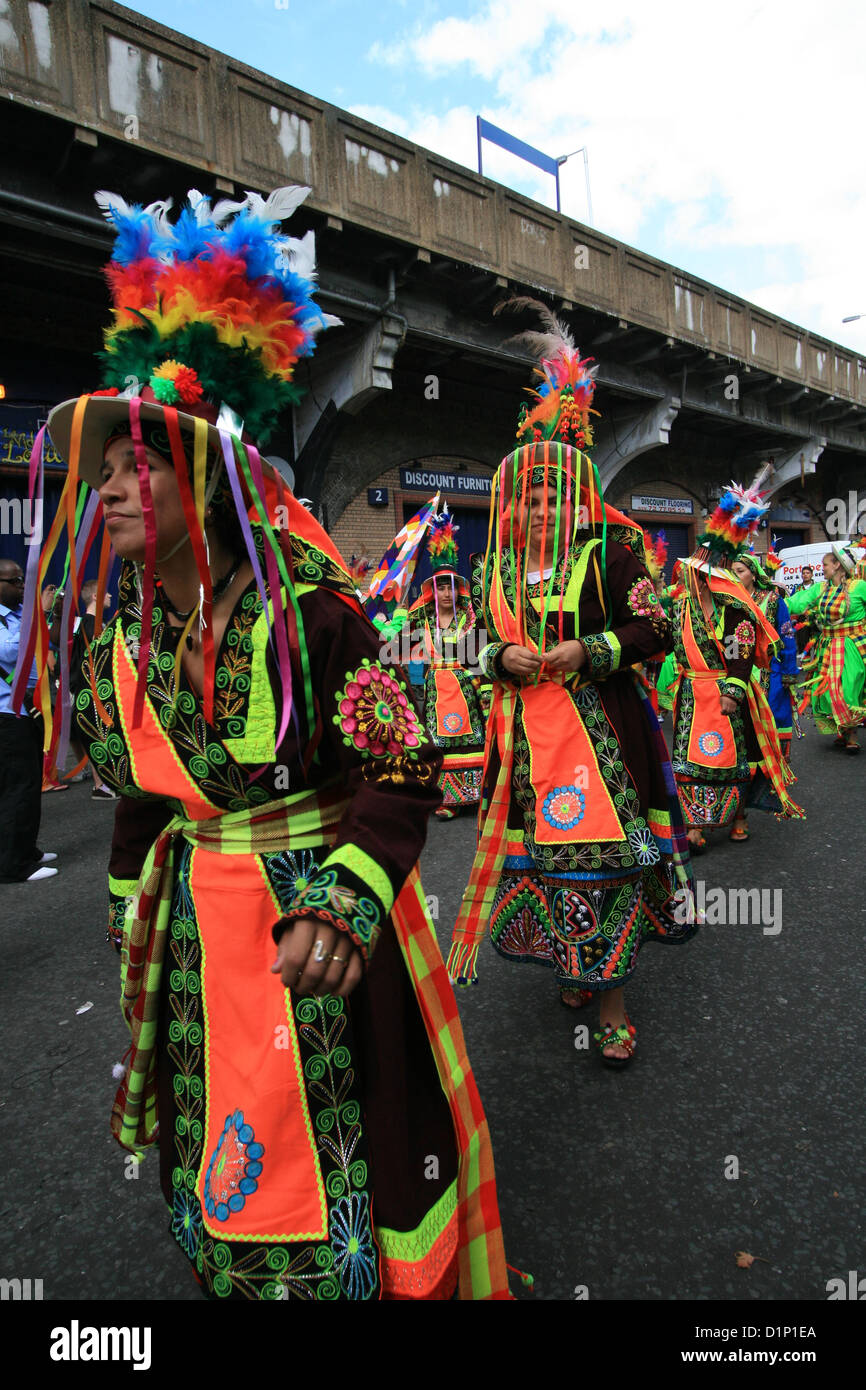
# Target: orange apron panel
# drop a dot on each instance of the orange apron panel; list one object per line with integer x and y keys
{"x": 572, "y": 802}
{"x": 711, "y": 738}
{"x": 157, "y": 767}
{"x": 257, "y": 1095}
{"x": 452, "y": 712}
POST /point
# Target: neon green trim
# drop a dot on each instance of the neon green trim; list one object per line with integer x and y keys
{"x": 412, "y": 1246}
{"x": 734, "y": 680}
{"x": 367, "y": 870}
{"x": 571, "y": 603}
{"x": 257, "y": 744}
{"x": 122, "y": 887}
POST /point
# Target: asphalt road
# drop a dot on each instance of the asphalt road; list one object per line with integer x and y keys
{"x": 612, "y": 1185}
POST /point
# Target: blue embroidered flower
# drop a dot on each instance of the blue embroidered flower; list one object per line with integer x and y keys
{"x": 564, "y": 807}
{"x": 352, "y": 1244}
{"x": 233, "y": 1170}
{"x": 643, "y": 846}
{"x": 290, "y": 873}
{"x": 186, "y": 1220}
{"x": 711, "y": 743}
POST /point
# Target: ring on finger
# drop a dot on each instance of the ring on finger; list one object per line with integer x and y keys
{"x": 319, "y": 952}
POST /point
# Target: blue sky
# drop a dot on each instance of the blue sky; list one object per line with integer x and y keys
{"x": 722, "y": 139}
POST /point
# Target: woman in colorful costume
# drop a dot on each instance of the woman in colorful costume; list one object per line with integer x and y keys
{"x": 778, "y": 679}
{"x": 835, "y": 671}
{"x": 275, "y": 785}
{"x": 725, "y": 745}
{"x": 452, "y": 710}
{"x": 581, "y": 854}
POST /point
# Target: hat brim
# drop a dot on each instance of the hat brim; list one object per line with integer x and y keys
{"x": 102, "y": 415}
{"x": 696, "y": 563}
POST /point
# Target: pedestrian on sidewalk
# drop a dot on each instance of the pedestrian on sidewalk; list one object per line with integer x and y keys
{"x": 21, "y": 738}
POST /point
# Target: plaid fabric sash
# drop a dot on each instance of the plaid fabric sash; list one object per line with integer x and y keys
{"x": 481, "y": 1256}
{"x": 776, "y": 768}
{"x": 490, "y": 855}
{"x": 303, "y": 820}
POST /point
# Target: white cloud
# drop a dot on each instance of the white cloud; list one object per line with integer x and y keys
{"x": 744, "y": 119}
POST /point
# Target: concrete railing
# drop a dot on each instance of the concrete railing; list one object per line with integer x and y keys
{"x": 114, "y": 73}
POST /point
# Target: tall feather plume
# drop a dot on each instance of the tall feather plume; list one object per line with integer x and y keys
{"x": 567, "y": 382}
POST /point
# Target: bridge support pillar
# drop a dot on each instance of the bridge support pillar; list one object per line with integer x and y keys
{"x": 795, "y": 465}
{"x": 631, "y": 434}
{"x": 354, "y": 377}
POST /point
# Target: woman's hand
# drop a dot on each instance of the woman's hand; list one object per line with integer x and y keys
{"x": 520, "y": 661}
{"x": 728, "y": 705}
{"x": 567, "y": 656}
{"x": 305, "y": 959}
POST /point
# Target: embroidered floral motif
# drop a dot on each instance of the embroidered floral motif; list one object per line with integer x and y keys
{"x": 643, "y": 844}
{"x": 352, "y": 1244}
{"x": 564, "y": 807}
{"x": 186, "y": 1221}
{"x": 327, "y": 898}
{"x": 452, "y": 722}
{"x": 291, "y": 873}
{"x": 711, "y": 743}
{"x": 600, "y": 654}
{"x": 376, "y": 715}
{"x": 233, "y": 1172}
{"x": 744, "y": 637}
{"x": 643, "y": 601}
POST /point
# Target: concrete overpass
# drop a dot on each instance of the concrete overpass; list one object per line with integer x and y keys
{"x": 414, "y": 251}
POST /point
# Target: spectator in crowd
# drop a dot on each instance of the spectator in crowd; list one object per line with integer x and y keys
{"x": 21, "y": 739}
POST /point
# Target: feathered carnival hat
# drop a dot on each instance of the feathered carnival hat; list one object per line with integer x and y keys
{"x": 655, "y": 553}
{"x": 551, "y": 434}
{"x": 443, "y": 555}
{"x": 211, "y": 315}
{"x": 731, "y": 526}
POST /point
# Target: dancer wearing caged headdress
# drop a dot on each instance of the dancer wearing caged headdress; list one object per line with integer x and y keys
{"x": 275, "y": 785}
{"x": 452, "y": 709}
{"x": 726, "y": 750}
{"x": 582, "y": 854}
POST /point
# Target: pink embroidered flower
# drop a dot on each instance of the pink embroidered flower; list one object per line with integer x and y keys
{"x": 375, "y": 714}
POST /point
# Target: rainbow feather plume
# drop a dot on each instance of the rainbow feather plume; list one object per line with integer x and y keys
{"x": 563, "y": 399}
{"x": 219, "y": 294}
{"x": 442, "y": 542}
{"x": 736, "y": 518}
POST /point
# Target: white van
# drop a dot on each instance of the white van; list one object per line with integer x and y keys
{"x": 790, "y": 572}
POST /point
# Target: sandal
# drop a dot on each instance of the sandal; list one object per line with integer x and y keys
{"x": 445, "y": 813}
{"x": 852, "y": 747}
{"x": 572, "y": 997}
{"x": 739, "y": 831}
{"x": 698, "y": 846}
{"x": 623, "y": 1035}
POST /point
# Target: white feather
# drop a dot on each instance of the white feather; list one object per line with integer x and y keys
{"x": 300, "y": 255}
{"x": 280, "y": 204}
{"x": 200, "y": 205}
{"x": 111, "y": 204}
